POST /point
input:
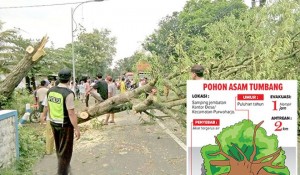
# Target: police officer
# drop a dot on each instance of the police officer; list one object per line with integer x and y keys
{"x": 63, "y": 120}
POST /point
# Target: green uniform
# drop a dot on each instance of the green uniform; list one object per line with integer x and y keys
{"x": 62, "y": 127}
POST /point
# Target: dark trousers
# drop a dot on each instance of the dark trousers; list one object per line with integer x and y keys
{"x": 63, "y": 137}
{"x": 41, "y": 107}
{"x": 87, "y": 100}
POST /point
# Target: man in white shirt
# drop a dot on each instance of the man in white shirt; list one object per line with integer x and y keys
{"x": 41, "y": 94}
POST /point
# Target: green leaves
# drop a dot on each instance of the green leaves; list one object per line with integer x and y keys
{"x": 241, "y": 135}
{"x": 12, "y": 47}
{"x": 94, "y": 52}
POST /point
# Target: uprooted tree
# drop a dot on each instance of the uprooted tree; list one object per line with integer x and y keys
{"x": 251, "y": 152}
{"x": 233, "y": 42}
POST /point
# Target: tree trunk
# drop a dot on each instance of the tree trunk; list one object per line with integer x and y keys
{"x": 14, "y": 78}
{"x": 253, "y": 3}
{"x": 117, "y": 103}
{"x": 127, "y": 101}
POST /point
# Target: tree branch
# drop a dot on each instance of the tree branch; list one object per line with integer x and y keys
{"x": 179, "y": 117}
{"x": 176, "y": 74}
{"x": 114, "y": 102}
{"x": 239, "y": 150}
{"x": 253, "y": 141}
{"x": 148, "y": 104}
{"x": 219, "y": 163}
{"x": 274, "y": 156}
{"x": 287, "y": 56}
{"x": 233, "y": 71}
{"x": 231, "y": 55}
{"x": 221, "y": 151}
{"x": 294, "y": 36}
{"x": 177, "y": 91}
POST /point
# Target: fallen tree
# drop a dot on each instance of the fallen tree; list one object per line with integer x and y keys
{"x": 127, "y": 101}
{"x": 130, "y": 101}
{"x": 13, "y": 79}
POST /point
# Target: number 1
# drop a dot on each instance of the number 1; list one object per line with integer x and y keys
{"x": 275, "y": 105}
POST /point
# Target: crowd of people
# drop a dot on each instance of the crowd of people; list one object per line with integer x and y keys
{"x": 85, "y": 87}
{"x": 56, "y": 104}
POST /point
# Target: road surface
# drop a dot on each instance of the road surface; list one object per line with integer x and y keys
{"x": 127, "y": 147}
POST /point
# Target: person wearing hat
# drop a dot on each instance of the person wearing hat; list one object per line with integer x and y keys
{"x": 63, "y": 120}
{"x": 197, "y": 72}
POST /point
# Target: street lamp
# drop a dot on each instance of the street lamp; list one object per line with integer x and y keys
{"x": 72, "y": 28}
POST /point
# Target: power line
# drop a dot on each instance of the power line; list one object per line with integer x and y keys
{"x": 42, "y": 5}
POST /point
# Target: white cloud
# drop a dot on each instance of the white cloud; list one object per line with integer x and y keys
{"x": 129, "y": 20}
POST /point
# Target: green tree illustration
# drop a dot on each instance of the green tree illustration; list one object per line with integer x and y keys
{"x": 244, "y": 149}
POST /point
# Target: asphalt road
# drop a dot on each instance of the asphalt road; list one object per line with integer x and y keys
{"x": 127, "y": 147}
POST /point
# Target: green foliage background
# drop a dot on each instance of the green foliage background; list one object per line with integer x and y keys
{"x": 229, "y": 39}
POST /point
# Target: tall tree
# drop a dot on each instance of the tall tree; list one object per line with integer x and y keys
{"x": 12, "y": 47}
{"x": 94, "y": 52}
{"x": 258, "y": 43}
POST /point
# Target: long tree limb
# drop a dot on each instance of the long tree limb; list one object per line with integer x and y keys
{"x": 264, "y": 172}
{"x": 288, "y": 56}
{"x": 239, "y": 150}
{"x": 107, "y": 105}
{"x": 221, "y": 151}
{"x": 177, "y": 116}
{"x": 148, "y": 104}
{"x": 155, "y": 116}
{"x": 269, "y": 156}
{"x": 173, "y": 88}
{"x": 229, "y": 56}
{"x": 253, "y": 141}
{"x": 219, "y": 163}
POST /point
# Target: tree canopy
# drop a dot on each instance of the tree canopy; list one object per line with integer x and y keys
{"x": 246, "y": 144}
{"x": 230, "y": 41}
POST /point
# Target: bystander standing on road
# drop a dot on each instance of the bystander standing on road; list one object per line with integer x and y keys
{"x": 63, "y": 120}
{"x": 49, "y": 133}
{"x": 41, "y": 94}
{"x": 112, "y": 90}
{"x": 101, "y": 87}
{"x": 122, "y": 85}
{"x": 82, "y": 91}
{"x": 87, "y": 88}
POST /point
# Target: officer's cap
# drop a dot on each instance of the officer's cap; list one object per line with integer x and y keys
{"x": 64, "y": 74}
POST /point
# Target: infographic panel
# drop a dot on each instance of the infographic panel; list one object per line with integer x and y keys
{"x": 242, "y": 127}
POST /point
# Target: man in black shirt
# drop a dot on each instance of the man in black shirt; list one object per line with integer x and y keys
{"x": 102, "y": 89}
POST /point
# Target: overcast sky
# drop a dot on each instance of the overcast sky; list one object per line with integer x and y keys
{"x": 129, "y": 20}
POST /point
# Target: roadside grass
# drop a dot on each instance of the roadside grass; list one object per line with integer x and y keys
{"x": 31, "y": 138}
{"x": 32, "y": 147}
